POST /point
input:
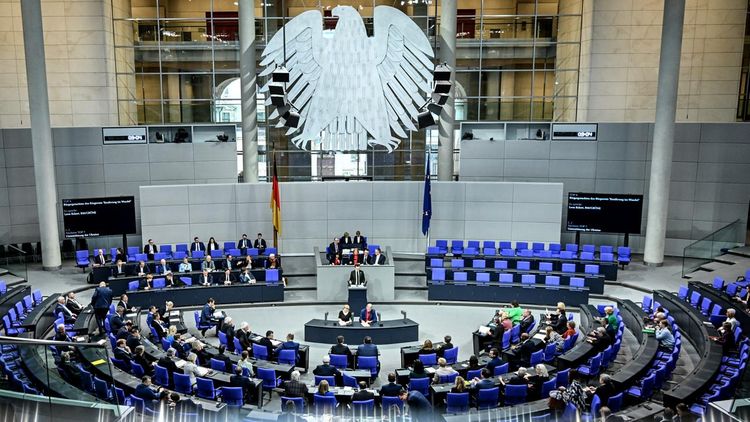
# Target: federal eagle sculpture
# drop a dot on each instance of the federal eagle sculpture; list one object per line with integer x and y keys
{"x": 352, "y": 90}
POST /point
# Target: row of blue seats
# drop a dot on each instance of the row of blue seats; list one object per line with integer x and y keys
{"x": 13, "y": 319}
{"x": 12, "y": 368}
{"x": 489, "y": 247}
{"x": 272, "y": 278}
{"x": 461, "y": 277}
{"x": 713, "y": 311}
{"x": 83, "y": 257}
{"x": 520, "y": 265}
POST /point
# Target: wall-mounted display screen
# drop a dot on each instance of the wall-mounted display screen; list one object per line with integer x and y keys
{"x": 89, "y": 217}
{"x": 604, "y": 212}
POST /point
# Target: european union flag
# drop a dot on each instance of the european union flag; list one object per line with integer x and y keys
{"x": 427, "y": 203}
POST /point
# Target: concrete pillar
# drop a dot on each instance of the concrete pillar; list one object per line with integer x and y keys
{"x": 41, "y": 133}
{"x": 661, "y": 152}
{"x": 249, "y": 91}
{"x": 447, "y": 41}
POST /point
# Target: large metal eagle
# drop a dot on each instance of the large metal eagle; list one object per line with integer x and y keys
{"x": 352, "y": 90}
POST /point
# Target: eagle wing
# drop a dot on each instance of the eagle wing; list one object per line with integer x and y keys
{"x": 304, "y": 47}
{"x": 402, "y": 54}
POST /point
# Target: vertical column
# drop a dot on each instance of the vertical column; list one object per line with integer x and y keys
{"x": 447, "y": 40}
{"x": 661, "y": 153}
{"x": 41, "y": 133}
{"x": 249, "y": 91}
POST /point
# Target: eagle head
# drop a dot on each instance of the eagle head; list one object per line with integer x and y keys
{"x": 343, "y": 11}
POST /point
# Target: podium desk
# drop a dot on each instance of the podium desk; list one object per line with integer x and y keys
{"x": 332, "y": 280}
{"x": 357, "y": 298}
{"x": 382, "y": 332}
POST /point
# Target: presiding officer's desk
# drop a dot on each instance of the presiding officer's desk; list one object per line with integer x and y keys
{"x": 595, "y": 283}
{"x": 632, "y": 316}
{"x": 607, "y": 269}
{"x": 530, "y": 294}
{"x": 582, "y": 350}
{"x": 382, "y": 332}
{"x": 332, "y": 280}
{"x": 119, "y": 285}
{"x": 40, "y": 367}
{"x": 197, "y": 295}
{"x": 42, "y": 317}
{"x": 698, "y": 330}
{"x": 725, "y": 301}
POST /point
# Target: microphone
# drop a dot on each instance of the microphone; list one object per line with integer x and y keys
{"x": 404, "y": 314}
{"x": 326, "y": 317}
{"x": 380, "y": 320}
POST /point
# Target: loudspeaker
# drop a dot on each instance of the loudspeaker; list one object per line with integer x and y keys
{"x": 425, "y": 119}
{"x": 280, "y": 75}
{"x": 435, "y": 108}
{"x": 439, "y": 99}
{"x": 441, "y": 73}
{"x": 276, "y": 88}
{"x": 442, "y": 87}
{"x": 291, "y": 119}
{"x": 278, "y": 100}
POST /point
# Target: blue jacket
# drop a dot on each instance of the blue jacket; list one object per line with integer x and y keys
{"x": 485, "y": 384}
{"x": 373, "y": 315}
{"x": 145, "y": 392}
{"x": 206, "y": 314}
{"x": 102, "y": 298}
{"x": 288, "y": 345}
{"x": 367, "y": 350}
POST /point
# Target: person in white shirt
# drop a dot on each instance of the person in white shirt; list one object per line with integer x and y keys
{"x": 443, "y": 370}
{"x": 731, "y": 312}
{"x": 205, "y": 279}
{"x": 164, "y": 267}
{"x": 379, "y": 258}
{"x": 100, "y": 259}
{"x": 191, "y": 367}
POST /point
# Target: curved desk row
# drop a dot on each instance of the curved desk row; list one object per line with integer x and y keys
{"x": 595, "y": 283}
{"x": 606, "y": 268}
{"x": 632, "y": 316}
{"x": 11, "y": 296}
{"x": 582, "y": 349}
{"x": 197, "y": 295}
{"x": 698, "y": 330}
{"x": 119, "y": 285}
{"x": 103, "y": 272}
{"x": 383, "y": 332}
{"x": 724, "y": 300}
{"x": 535, "y": 294}
{"x": 42, "y": 318}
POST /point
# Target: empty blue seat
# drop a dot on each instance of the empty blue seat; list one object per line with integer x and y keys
{"x": 523, "y": 265}
{"x": 460, "y": 277}
{"x": 548, "y": 386}
{"x": 501, "y": 265}
{"x": 478, "y": 263}
{"x": 489, "y": 251}
{"x": 528, "y": 279}
{"x": 159, "y": 283}
{"x": 615, "y": 402}
{"x": 451, "y": 355}
{"x": 591, "y": 269}
{"x": 587, "y": 256}
{"x": 593, "y": 366}
{"x": 515, "y": 394}
{"x": 438, "y": 275}
{"x": 181, "y": 247}
{"x": 339, "y": 361}
{"x": 520, "y": 246}
{"x": 682, "y": 292}
{"x": 436, "y": 263}
{"x": 229, "y": 245}
{"x": 260, "y": 352}
{"x": 457, "y": 263}
{"x": 695, "y": 298}
{"x": 488, "y": 398}
{"x": 272, "y": 276}
{"x": 568, "y": 267}
{"x": 82, "y": 259}
{"x": 420, "y": 384}
{"x": 552, "y": 280}
{"x": 488, "y": 244}
{"x": 433, "y": 250}
{"x": 537, "y": 247}
{"x": 429, "y": 359}
{"x": 457, "y": 403}
{"x": 363, "y": 409}
{"x": 606, "y": 249}
{"x": 473, "y": 244}
{"x": 442, "y": 245}
{"x": 589, "y": 248}
{"x": 545, "y": 266}
{"x": 606, "y": 257}
{"x": 469, "y": 251}
{"x": 536, "y": 358}
{"x": 368, "y": 362}
{"x": 718, "y": 283}
{"x": 500, "y": 370}
{"x": 204, "y": 388}
{"x": 483, "y": 278}
{"x": 506, "y": 278}
{"x": 507, "y": 252}
{"x": 457, "y": 247}
{"x": 232, "y": 396}
{"x": 182, "y": 383}
{"x": 179, "y": 254}
{"x": 503, "y": 244}
{"x": 644, "y": 389}
{"x": 198, "y": 254}
{"x": 526, "y": 253}
{"x": 330, "y": 379}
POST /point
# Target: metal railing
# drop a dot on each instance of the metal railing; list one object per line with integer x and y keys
{"x": 706, "y": 249}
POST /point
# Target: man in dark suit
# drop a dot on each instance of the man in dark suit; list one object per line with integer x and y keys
{"x": 368, "y": 315}
{"x": 362, "y": 394}
{"x": 243, "y": 336}
{"x": 100, "y": 259}
{"x": 117, "y": 320}
{"x": 447, "y": 344}
{"x": 519, "y": 378}
{"x": 359, "y": 241}
{"x": 346, "y": 241}
{"x": 205, "y": 278}
{"x": 340, "y": 348}
{"x": 120, "y": 269}
{"x": 260, "y": 244}
{"x": 289, "y": 344}
{"x": 73, "y": 304}
{"x": 167, "y": 362}
{"x": 239, "y": 380}
{"x": 419, "y": 407}
{"x": 62, "y": 309}
{"x": 485, "y": 382}
{"x": 100, "y": 301}
{"x": 60, "y": 334}
{"x": 150, "y": 249}
{"x": 391, "y": 389}
{"x": 495, "y": 360}
{"x": 228, "y": 330}
{"x": 134, "y": 339}
{"x": 367, "y": 348}
{"x": 224, "y": 278}
{"x": 207, "y": 315}
{"x": 326, "y": 370}
{"x": 224, "y": 358}
{"x": 357, "y": 277}
{"x": 228, "y": 263}
{"x": 122, "y": 352}
{"x": 124, "y": 302}
{"x": 197, "y": 245}
{"x": 334, "y": 249}
{"x": 267, "y": 343}
{"x": 524, "y": 349}
{"x": 294, "y": 387}
{"x": 526, "y": 320}
{"x": 379, "y": 258}
{"x": 146, "y": 392}
{"x": 124, "y": 331}
{"x": 244, "y": 244}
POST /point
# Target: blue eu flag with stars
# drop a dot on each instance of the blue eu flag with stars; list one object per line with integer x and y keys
{"x": 427, "y": 203}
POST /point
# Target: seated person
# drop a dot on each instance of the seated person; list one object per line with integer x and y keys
{"x": 294, "y": 387}
{"x": 379, "y": 258}
{"x": 495, "y": 360}
{"x": 163, "y": 268}
{"x": 559, "y": 319}
{"x": 247, "y": 276}
{"x": 340, "y": 348}
{"x": 427, "y": 348}
{"x": 212, "y": 246}
{"x": 359, "y": 241}
{"x": 147, "y": 392}
{"x": 346, "y": 241}
{"x": 134, "y": 339}
{"x": 367, "y": 348}
{"x": 100, "y": 259}
{"x": 599, "y": 338}
{"x": 226, "y": 278}
{"x": 665, "y": 337}
{"x": 326, "y": 369}
{"x": 366, "y": 257}
{"x": 267, "y": 342}
{"x": 148, "y": 282}
{"x": 334, "y": 251}
{"x": 74, "y": 305}
{"x": 605, "y": 390}
{"x": 345, "y": 316}
{"x": 207, "y": 316}
{"x": 552, "y": 337}
{"x": 571, "y": 329}
{"x": 474, "y": 363}
{"x": 362, "y": 394}
{"x": 139, "y": 357}
{"x": 120, "y": 269}
{"x": 447, "y": 345}
{"x": 527, "y": 320}
{"x": 229, "y": 263}
{"x": 357, "y": 277}
{"x": 731, "y": 313}
{"x": 524, "y": 349}
{"x": 169, "y": 280}
{"x": 289, "y": 344}
{"x": 726, "y": 338}
{"x": 515, "y": 313}
{"x": 273, "y": 262}
{"x": 208, "y": 264}
{"x": 122, "y": 352}
{"x": 197, "y": 245}
{"x": 418, "y": 371}
{"x": 70, "y": 371}
{"x": 119, "y": 256}
{"x": 459, "y": 386}
{"x": 368, "y": 315}
{"x": 485, "y": 382}
{"x": 205, "y": 278}
{"x": 221, "y": 355}
{"x": 62, "y": 309}
{"x": 142, "y": 269}
{"x": 167, "y": 362}
{"x": 391, "y": 389}
{"x": 60, "y": 334}
{"x": 117, "y": 320}
{"x": 185, "y": 266}
{"x": 442, "y": 370}
{"x": 239, "y": 380}
{"x": 520, "y": 377}
{"x": 158, "y": 325}
{"x": 610, "y": 319}
{"x": 536, "y": 380}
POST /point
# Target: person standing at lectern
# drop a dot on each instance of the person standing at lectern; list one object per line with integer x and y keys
{"x": 357, "y": 277}
{"x": 368, "y": 315}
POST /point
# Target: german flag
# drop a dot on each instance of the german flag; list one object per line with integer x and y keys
{"x": 276, "y": 199}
